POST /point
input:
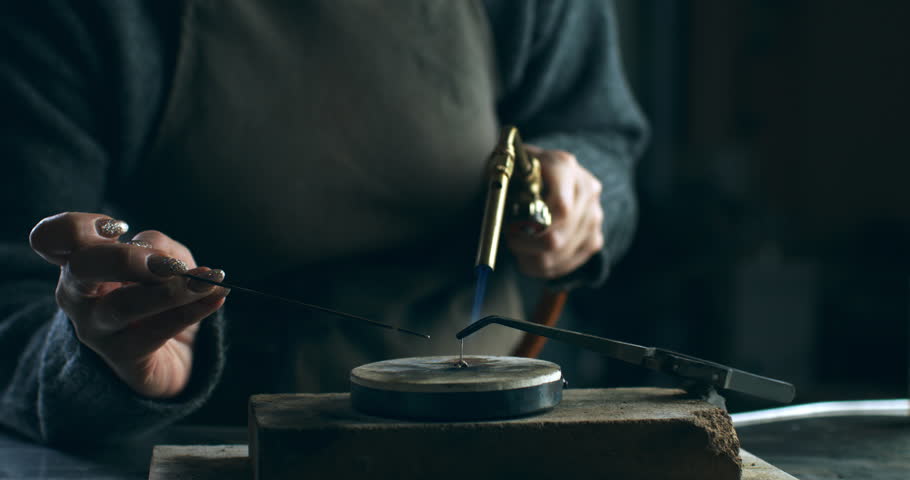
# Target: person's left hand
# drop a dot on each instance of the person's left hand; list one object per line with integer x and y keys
{"x": 573, "y": 196}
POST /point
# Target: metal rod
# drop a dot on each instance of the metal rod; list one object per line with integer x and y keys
{"x": 307, "y": 305}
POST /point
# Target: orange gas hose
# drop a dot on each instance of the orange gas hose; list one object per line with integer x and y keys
{"x": 546, "y": 312}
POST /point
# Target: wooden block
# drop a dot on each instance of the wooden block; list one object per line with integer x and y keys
{"x": 200, "y": 462}
{"x": 230, "y": 462}
{"x": 640, "y": 433}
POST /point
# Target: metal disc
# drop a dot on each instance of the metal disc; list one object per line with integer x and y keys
{"x": 437, "y": 388}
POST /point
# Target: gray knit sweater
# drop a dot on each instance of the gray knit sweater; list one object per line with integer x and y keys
{"x": 81, "y": 87}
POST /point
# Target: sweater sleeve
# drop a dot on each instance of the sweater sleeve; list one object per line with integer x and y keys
{"x": 64, "y": 132}
{"x": 562, "y": 84}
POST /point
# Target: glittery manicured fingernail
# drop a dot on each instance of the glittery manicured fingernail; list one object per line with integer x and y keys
{"x": 166, "y": 266}
{"x": 213, "y": 275}
{"x": 141, "y": 243}
{"x": 110, "y": 228}
{"x": 216, "y": 296}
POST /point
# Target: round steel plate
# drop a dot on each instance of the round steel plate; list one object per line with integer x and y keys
{"x": 435, "y": 388}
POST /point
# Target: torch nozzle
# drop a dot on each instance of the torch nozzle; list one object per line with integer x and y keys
{"x": 499, "y": 172}
{"x": 510, "y": 162}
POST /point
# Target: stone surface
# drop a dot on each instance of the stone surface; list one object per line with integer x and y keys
{"x": 641, "y": 433}
{"x": 866, "y": 447}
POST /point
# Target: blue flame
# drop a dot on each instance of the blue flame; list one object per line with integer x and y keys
{"x": 482, "y": 272}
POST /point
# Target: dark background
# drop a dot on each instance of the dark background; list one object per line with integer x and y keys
{"x": 774, "y": 229}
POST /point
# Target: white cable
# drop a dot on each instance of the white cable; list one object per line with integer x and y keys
{"x": 899, "y": 407}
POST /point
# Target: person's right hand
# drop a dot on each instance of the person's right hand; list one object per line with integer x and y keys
{"x": 127, "y": 301}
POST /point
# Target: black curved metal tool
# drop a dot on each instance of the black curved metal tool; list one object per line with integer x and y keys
{"x": 706, "y": 375}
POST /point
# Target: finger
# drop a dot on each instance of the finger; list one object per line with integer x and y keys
{"x": 561, "y": 235}
{"x": 164, "y": 244}
{"x": 577, "y": 234}
{"x": 594, "y": 242}
{"x": 552, "y": 239}
{"x": 559, "y": 173}
{"x": 56, "y": 237}
{"x": 587, "y": 191}
{"x": 553, "y": 263}
{"x": 217, "y": 295}
{"x": 569, "y": 233}
{"x": 548, "y": 265}
{"x": 534, "y": 266}
{"x": 149, "y": 334}
{"x": 580, "y": 246}
{"x": 590, "y": 241}
{"x": 120, "y": 262}
{"x": 127, "y": 305}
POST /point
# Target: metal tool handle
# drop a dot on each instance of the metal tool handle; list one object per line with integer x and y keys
{"x": 683, "y": 366}
{"x": 626, "y": 352}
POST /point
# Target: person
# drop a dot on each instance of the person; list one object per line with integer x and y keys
{"x": 329, "y": 151}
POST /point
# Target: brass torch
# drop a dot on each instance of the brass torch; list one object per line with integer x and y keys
{"x": 511, "y": 166}
{"x": 513, "y": 181}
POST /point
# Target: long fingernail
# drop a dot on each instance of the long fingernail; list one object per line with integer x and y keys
{"x": 216, "y": 295}
{"x": 110, "y": 228}
{"x": 213, "y": 275}
{"x": 166, "y": 266}
{"x": 141, "y": 243}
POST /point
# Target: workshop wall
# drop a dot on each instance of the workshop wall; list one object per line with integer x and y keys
{"x": 775, "y": 197}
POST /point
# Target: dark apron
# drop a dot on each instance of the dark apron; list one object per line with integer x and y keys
{"x": 333, "y": 151}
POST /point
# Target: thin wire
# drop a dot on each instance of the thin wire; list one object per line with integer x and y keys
{"x": 307, "y": 305}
